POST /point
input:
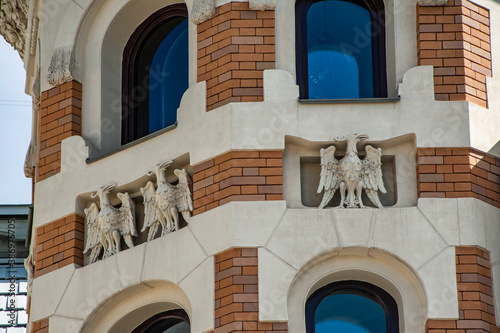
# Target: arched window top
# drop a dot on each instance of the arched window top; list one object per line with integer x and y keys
{"x": 174, "y": 321}
{"x": 351, "y": 306}
{"x": 155, "y": 73}
{"x": 341, "y": 49}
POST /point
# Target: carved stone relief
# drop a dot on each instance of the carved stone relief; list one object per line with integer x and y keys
{"x": 106, "y": 225}
{"x": 60, "y": 67}
{"x": 163, "y": 205}
{"x": 351, "y": 174}
{"x": 14, "y": 22}
{"x": 203, "y": 10}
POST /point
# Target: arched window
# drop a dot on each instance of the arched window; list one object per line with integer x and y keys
{"x": 351, "y": 306}
{"x": 341, "y": 49}
{"x": 155, "y": 73}
{"x": 174, "y": 321}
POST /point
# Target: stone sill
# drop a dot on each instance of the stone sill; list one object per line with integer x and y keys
{"x": 351, "y": 101}
{"x": 131, "y": 144}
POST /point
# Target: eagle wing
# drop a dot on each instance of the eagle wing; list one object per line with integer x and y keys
{"x": 92, "y": 223}
{"x": 372, "y": 175}
{"x": 329, "y": 179}
{"x": 127, "y": 215}
{"x": 150, "y": 206}
{"x": 182, "y": 194}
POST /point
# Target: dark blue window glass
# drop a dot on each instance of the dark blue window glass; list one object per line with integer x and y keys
{"x": 339, "y": 50}
{"x": 168, "y": 78}
{"x": 349, "y": 313}
{"x": 351, "y": 307}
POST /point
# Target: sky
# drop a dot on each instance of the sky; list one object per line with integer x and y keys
{"x": 15, "y": 127}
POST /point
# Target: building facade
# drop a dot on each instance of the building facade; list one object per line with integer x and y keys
{"x": 181, "y": 150}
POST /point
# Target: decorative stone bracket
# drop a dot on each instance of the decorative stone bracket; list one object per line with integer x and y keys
{"x": 60, "y": 67}
{"x": 432, "y": 2}
{"x": 203, "y": 10}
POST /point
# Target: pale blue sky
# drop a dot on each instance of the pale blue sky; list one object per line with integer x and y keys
{"x": 15, "y": 127}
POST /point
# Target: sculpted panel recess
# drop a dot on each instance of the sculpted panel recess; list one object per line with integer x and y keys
{"x": 351, "y": 174}
{"x": 106, "y": 225}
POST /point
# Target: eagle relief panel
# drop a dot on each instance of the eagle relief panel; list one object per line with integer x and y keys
{"x": 350, "y": 172}
{"x": 153, "y": 205}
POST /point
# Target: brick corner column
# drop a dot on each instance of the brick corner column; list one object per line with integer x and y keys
{"x": 40, "y": 326}
{"x": 234, "y": 49}
{"x": 58, "y": 244}
{"x": 475, "y": 295}
{"x": 237, "y": 293}
{"x": 60, "y": 117}
{"x": 455, "y": 39}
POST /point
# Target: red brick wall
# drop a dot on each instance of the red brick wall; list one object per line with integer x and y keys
{"x": 237, "y": 176}
{"x": 60, "y": 117}
{"x": 58, "y": 244}
{"x": 458, "y": 173}
{"x": 237, "y": 293}
{"x": 40, "y": 326}
{"x": 455, "y": 39}
{"x": 234, "y": 48}
{"x": 475, "y": 295}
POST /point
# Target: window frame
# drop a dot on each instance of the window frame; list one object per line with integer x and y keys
{"x": 178, "y": 314}
{"x": 377, "y": 294}
{"x": 377, "y": 14}
{"x": 130, "y": 112}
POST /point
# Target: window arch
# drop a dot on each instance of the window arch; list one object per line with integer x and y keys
{"x": 340, "y": 49}
{"x": 174, "y": 321}
{"x": 155, "y": 73}
{"x": 351, "y": 306}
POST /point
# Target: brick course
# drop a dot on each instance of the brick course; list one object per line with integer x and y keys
{"x": 236, "y": 293}
{"x": 234, "y": 48}
{"x": 455, "y": 39}
{"x": 60, "y": 117}
{"x": 40, "y": 326}
{"x": 458, "y": 173}
{"x": 58, "y": 244}
{"x": 237, "y": 176}
{"x": 475, "y": 295}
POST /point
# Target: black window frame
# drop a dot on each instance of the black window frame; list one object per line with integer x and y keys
{"x": 130, "y": 108}
{"x": 150, "y": 322}
{"x": 379, "y": 55}
{"x": 377, "y": 294}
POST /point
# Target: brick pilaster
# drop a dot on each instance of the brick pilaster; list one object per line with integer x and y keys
{"x": 237, "y": 293}
{"x": 234, "y": 48}
{"x": 251, "y": 175}
{"x": 40, "y": 326}
{"x": 60, "y": 117}
{"x": 58, "y": 244}
{"x": 458, "y": 173}
{"x": 475, "y": 295}
{"x": 455, "y": 39}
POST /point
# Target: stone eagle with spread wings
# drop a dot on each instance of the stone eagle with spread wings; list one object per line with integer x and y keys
{"x": 106, "y": 225}
{"x": 351, "y": 174}
{"x": 163, "y": 204}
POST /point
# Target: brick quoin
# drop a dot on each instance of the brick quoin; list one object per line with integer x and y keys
{"x": 475, "y": 295}
{"x": 458, "y": 173}
{"x": 249, "y": 175}
{"x": 455, "y": 39}
{"x": 234, "y": 49}
{"x": 58, "y": 244}
{"x": 60, "y": 118}
{"x": 237, "y": 293}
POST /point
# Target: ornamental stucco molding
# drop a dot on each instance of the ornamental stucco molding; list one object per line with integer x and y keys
{"x": 14, "y": 22}
{"x": 351, "y": 175}
{"x": 60, "y": 67}
{"x": 204, "y": 10}
{"x": 34, "y": 35}
{"x": 432, "y": 2}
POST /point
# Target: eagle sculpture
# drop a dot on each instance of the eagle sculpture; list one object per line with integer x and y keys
{"x": 106, "y": 225}
{"x": 163, "y": 204}
{"x": 351, "y": 174}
